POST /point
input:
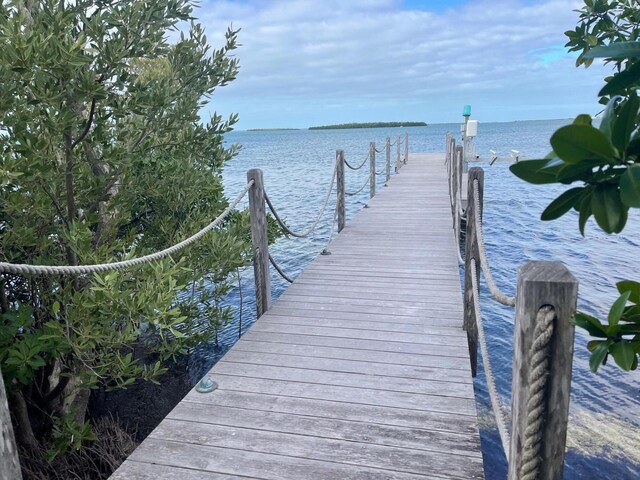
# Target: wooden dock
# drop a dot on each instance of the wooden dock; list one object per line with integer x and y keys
{"x": 359, "y": 371}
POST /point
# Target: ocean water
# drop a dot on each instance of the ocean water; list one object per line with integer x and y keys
{"x": 604, "y": 425}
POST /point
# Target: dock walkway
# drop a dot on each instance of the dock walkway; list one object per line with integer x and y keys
{"x": 359, "y": 371}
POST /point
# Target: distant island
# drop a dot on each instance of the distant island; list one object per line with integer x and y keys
{"x": 270, "y": 129}
{"x": 370, "y": 125}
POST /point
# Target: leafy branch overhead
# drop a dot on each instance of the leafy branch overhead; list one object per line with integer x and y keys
{"x": 604, "y": 161}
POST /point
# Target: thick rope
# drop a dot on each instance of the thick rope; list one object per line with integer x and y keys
{"x": 359, "y": 166}
{"x": 325, "y": 250}
{"x": 456, "y": 234}
{"x": 279, "y": 270}
{"x": 25, "y": 269}
{"x": 493, "y": 288}
{"x": 379, "y": 151}
{"x": 382, "y": 172}
{"x": 498, "y": 412}
{"x": 309, "y": 230}
{"x": 538, "y": 376}
{"x": 351, "y": 194}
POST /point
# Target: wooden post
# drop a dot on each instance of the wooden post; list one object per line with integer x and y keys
{"x": 472, "y": 255}
{"x": 540, "y": 284}
{"x": 260, "y": 242}
{"x": 398, "y": 157}
{"x": 406, "y": 147}
{"x": 454, "y": 185}
{"x": 388, "y": 160}
{"x": 9, "y": 462}
{"x": 372, "y": 169}
{"x": 458, "y": 158}
{"x": 340, "y": 187}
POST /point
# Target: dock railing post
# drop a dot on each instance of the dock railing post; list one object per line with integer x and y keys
{"x": 9, "y": 462}
{"x": 372, "y": 169}
{"x": 406, "y": 147}
{"x": 542, "y": 284}
{"x": 459, "y": 161}
{"x": 340, "y": 188}
{"x": 398, "y": 157}
{"x": 388, "y": 160}
{"x": 472, "y": 254}
{"x": 259, "y": 242}
{"x": 454, "y": 187}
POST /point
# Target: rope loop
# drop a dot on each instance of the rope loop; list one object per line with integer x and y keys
{"x": 26, "y": 269}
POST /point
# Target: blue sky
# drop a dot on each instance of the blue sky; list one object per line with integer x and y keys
{"x": 315, "y": 62}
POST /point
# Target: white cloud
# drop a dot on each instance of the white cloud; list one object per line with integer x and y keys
{"x": 306, "y": 62}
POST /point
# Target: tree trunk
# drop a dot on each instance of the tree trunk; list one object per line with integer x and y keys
{"x": 22, "y": 422}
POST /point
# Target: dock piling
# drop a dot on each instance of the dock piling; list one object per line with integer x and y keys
{"x": 259, "y": 242}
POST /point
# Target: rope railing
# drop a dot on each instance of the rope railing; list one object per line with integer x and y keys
{"x": 359, "y": 166}
{"x": 497, "y": 294}
{"x": 496, "y": 403}
{"x": 279, "y": 270}
{"x": 26, "y": 269}
{"x": 351, "y": 194}
{"x": 315, "y": 223}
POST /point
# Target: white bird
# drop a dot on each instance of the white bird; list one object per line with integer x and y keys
{"x": 515, "y": 154}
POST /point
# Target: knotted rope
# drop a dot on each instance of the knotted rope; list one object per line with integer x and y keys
{"x": 536, "y": 405}
{"x": 309, "y": 230}
{"x": 26, "y": 269}
{"x": 484, "y": 262}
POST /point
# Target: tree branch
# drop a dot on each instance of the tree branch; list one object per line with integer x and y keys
{"x": 88, "y": 126}
{"x": 55, "y": 202}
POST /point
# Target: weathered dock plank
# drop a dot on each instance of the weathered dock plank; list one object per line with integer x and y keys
{"x": 360, "y": 370}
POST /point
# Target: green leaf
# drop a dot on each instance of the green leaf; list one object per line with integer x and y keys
{"x": 625, "y": 123}
{"x": 575, "y": 143}
{"x": 572, "y": 172}
{"x": 585, "y": 212}
{"x": 608, "y": 210}
{"x": 617, "y": 308}
{"x": 609, "y": 116}
{"x": 634, "y": 146}
{"x": 623, "y": 354}
{"x": 599, "y": 355}
{"x": 630, "y": 186}
{"x": 533, "y": 171}
{"x": 632, "y": 287}
{"x": 621, "y": 81}
{"x": 615, "y": 50}
{"x": 590, "y": 324}
{"x": 582, "y": 119}
{"x": 562, "y": 204}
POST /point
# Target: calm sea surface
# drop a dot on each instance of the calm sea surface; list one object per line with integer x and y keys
{"x": 604, "y": 432}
